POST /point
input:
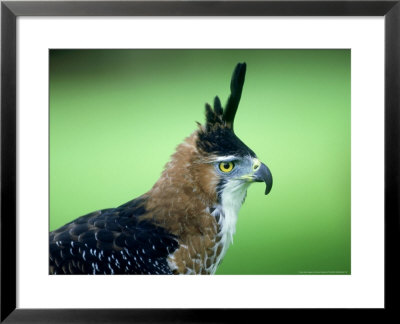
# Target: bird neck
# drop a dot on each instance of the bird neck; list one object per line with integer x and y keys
{"x": 181, "y": 198}
{"x": 232, "y": 199}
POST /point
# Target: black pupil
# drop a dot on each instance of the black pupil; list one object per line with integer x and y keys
{"x": 226, "y": 165}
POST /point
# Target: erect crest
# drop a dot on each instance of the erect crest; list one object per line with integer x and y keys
{"x": 224, "y": 117}
{"x": 217, "y": 137}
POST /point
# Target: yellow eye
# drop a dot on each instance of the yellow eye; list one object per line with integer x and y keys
{"x": 226, "y": 166}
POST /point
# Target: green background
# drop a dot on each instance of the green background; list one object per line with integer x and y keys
{"x": 117, "y": 115}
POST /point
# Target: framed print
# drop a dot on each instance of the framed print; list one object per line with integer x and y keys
{"x": 95, "y": 102}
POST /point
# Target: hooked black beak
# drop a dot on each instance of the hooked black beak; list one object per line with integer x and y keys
{"x": 263, "y": 174}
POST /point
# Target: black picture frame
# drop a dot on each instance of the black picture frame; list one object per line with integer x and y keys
{"x": 10, "y": 10}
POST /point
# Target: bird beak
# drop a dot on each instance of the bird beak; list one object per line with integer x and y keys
{"x": 263, "y": 174}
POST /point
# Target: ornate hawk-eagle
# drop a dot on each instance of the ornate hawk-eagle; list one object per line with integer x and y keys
{"x": 185, "y": 223}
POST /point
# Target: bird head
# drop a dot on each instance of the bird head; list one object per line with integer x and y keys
{"x": 211, "y": 167}
{"x": 231, "y": 164}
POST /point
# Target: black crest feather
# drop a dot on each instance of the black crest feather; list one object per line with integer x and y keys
{"x": 218, "y": 136}
{"x": 226, "y": 116}
{"x": 236, "y": 93}
{"x": 217, "y": 106}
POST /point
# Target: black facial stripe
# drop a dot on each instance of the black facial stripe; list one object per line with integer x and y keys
{"x": 220, "y": 186}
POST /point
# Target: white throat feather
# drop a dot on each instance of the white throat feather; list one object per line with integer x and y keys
{"x": 232, "y": 198}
